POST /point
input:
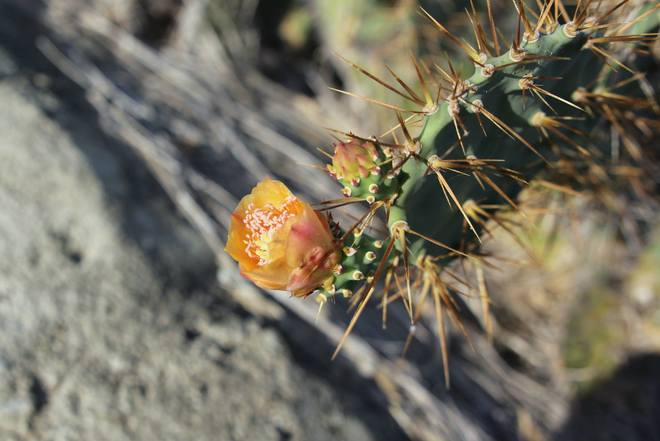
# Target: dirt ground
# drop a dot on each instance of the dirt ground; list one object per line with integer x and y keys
{"x": 111, "y": 324}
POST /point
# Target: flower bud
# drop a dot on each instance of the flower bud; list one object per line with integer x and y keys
{"x": 281, "y": 242}
{"x": 354, "y": 160}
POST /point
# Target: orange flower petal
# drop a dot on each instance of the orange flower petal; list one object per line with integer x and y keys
{"x": 279, "y": 241}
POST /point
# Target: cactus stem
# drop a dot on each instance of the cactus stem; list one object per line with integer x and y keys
{"x": 516, "y": 90}
{"x": 369, "y": 290}
{"x": 527, "y": 59}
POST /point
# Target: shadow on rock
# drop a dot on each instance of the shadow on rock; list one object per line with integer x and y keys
{"x": 623, "y": 407}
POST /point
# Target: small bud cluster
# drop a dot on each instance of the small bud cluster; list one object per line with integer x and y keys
{"x": 361, "y": 255}
{"x": 365, "y": 169}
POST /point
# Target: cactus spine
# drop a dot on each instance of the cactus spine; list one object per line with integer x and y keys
{"x": 521, "y": 112}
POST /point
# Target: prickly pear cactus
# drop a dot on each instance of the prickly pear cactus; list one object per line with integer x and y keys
{"x": 536, "y": 104}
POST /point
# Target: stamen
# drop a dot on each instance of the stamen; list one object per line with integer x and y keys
{"x": 262, "y": 224}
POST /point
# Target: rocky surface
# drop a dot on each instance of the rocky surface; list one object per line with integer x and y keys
{"x": 111, "y": 324}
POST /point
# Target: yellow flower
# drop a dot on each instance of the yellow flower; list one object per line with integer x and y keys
{"x": 281, "y": 242}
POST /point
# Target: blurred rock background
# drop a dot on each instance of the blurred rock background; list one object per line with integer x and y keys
{"x": 130, "y": 128}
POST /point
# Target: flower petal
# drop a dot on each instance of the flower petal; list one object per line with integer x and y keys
{"x": 281, "y": 242}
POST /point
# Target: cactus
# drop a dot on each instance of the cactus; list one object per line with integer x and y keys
{"x": 470, "y": 144}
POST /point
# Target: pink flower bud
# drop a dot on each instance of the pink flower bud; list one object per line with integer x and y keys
{"x": 354, "y": 160}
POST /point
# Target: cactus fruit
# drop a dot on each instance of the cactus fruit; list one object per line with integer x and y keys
{"x": 470, "y": 144}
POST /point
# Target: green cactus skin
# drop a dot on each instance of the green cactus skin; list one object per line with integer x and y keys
{"x": 359, "y": 262}
{"x": 501, "y": 94}
{"x": 562, "y": 65}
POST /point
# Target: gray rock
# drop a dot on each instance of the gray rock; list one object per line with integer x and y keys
{"x": 111, "y": 327}
{"x": 7, "y": 65}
